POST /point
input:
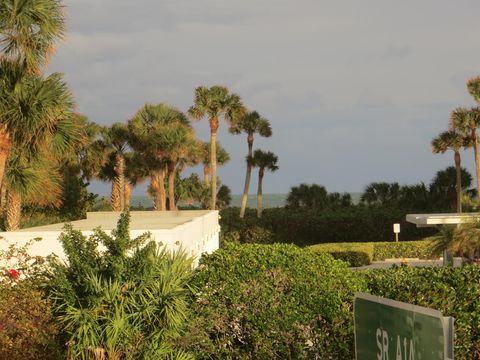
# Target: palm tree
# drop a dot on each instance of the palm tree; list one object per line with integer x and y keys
{"x": 29, "y": 30}
{"x": 442, "y": 189}
{"x": 31, "y": 108}
{"x": 215, "y": 102}
{"x": 381, "y": 194}
{"x": 36, "y": 181}
{"x": 264, "y": 161}
{"x": 467, "y": 121}
{"x": 180, "y": 144}
{"x": 222, "y": 158}
{"x": 157, "y": 132}
{"x": 251, "y": 123}
{"x": 115, "y": 142}
{"x": 453, "y": 140}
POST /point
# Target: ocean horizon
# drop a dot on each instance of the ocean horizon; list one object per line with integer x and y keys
{"x": 269, "y": 200}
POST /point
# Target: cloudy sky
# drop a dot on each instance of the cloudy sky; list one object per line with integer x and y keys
{"x": 355, "y": 90}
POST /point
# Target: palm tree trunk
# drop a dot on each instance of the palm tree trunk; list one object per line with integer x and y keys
{"x": 3, "y": 199}
{"x": 247, "y": 178}
{"x": 115, "y": 196}
{"x": 458, "y": 168}
{"x": 172, "y": 170}
{"x": 128, "y": 194}
{"x": 159, "y": 179}
{"x": 213, "y": 164}
{"x": 206, "y": 174}
{"x": 259, "y": 193}
{"x": 5, "y": 148}
{"x": 120, "y": 180}
{"x": 14, "y": 210}
{"x": 477, "y": 161}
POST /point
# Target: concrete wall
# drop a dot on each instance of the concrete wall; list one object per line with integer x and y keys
{"x": 194, "y": 231}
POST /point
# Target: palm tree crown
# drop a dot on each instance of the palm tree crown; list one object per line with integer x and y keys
{"x": 29, "y": 29}
{"x": 473, "y": 86}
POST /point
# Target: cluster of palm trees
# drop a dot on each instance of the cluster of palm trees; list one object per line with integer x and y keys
{"x": 38, "y": 128}
{"x": 41, "y": 135}
{"x": 462, "y": 134}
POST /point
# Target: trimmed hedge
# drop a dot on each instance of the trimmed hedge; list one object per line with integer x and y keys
{"x": 311, "y": 226}
{"x": 453, "y": 291}
{"x": 359, "y": 254}
{"x": 272, "y": 302}
{"x": 355, "y": 254}
{"x": 283, "y": 302}
{"x": 404, "y": 249}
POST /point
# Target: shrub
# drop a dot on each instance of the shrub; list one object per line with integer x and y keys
{"x": 27, "y": 327}
{"x": 313, "y": 226}
{"x": 129, "y": 301}
{"x": 453, "y": 291}
{"x": 403, "y": 249}
{"x": 355, "y": 254}
{"x": 272, "y": 302}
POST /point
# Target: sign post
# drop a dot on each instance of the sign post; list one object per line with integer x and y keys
{"x": 396, "y": 230}
{"x": 392, "y": 330}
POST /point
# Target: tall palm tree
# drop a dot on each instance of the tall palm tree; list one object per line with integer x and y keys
{"x": 29, "y": 30}
{"x": 156, "y": 133}
{"x": 215, "y": 102}
{"x": 453, "y": 140}
{"x": 467, "y": 121}
{"x": 222, "y": 158}
{"x": 115, "y": 142}
{"x": 251, "y": 123}
{"x": 31, "y": 108}
{"x": 264, "y": 161}
{"x": 179, "y": 142}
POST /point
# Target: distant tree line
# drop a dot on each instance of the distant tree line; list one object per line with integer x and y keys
{"x": 439, "y": 196}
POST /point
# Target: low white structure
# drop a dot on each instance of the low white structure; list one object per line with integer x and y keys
{"x": 195, "y": 231}
{"x": 432, "y": 220}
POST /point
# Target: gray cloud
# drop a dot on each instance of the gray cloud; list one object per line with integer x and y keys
{"x": 354, "y": 90}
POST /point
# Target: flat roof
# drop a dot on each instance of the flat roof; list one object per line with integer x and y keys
{"x": 426, "y": 220}
{"x": 139, "y": 220}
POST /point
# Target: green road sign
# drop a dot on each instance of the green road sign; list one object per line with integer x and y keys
{"x": 392, "y": 330}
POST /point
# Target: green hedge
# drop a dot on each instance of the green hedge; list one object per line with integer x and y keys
{"x": 309, "y": 226}
{"x": 272, "y": 302}
{"x": 359, "y": 254}
{"x": 355, "y": 254}
{"x": 453, "y": 291}
{"x": 404, "y": 249}
{"x": 283, "y": 302}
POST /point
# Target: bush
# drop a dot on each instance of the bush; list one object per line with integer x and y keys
{"x": 453, "y": 291}
{"x": 272, "y": 302}
{"x": 359, "y": 254}
{"x": 129, "y": 301}
{"x": 305, "y": 227}
{"x": 403, "y": 249}
{"x": 355, "y": 254}
{"x": 27, "y": 327}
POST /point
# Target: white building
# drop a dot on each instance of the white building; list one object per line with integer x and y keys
{"x": 195, "y": 231}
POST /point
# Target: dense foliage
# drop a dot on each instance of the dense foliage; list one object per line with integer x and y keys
{"x": 27, "y": 327}
{"x": 358, "y": 254}
{"x": 453, "y": 291}
{"x": 272, "y": 302}
{"x": 310, "y": 226}
{"x": 128, "y": 301}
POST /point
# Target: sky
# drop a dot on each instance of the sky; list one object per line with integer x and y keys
{"x": 354, "y": 90}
